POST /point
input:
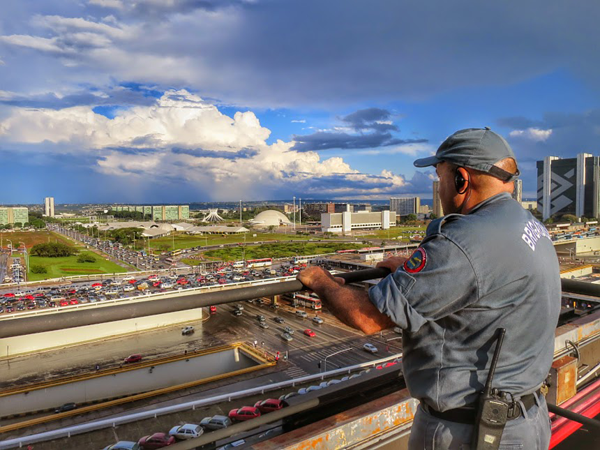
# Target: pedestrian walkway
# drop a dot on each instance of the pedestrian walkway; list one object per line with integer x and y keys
{"x": 295, "y": 372}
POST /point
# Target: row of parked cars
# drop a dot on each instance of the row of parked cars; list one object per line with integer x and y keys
{"x": 191, "y": 430}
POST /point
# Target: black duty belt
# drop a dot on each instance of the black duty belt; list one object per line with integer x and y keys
{"x": 468, "y": 414}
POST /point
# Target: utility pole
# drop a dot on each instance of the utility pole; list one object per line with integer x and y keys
{"x": 294, "y": 211}
{"x": 300, "y": 213}
{"x": 240, "y": 213}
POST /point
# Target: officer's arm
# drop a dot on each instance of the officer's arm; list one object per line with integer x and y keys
{"x": 350, "y": 305}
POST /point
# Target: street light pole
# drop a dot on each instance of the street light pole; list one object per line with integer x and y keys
{"x": 333, "y": 354}
{"x": 294, "y": 211}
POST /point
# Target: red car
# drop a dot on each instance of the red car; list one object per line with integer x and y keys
{"x": 97, "y": 285}
{"x": 387, "y": 364}
{"x": 9, "y": 295}
{"x": 310, "y": 333}
{"x": 157, "y": 284}
{"x": 73, "y": 301}
{"x": 156, "y": 440}
{"x": 268, "y": 405}
{"x": 244, "y": 413}
{"x": 64, "y": 302}
{"x": 132, "y": 281}
{"x": 133, "y": 358}
{"x": 153, "y": 277}
{"x": 29, "y": 297}
{"x": 213, "y": 309}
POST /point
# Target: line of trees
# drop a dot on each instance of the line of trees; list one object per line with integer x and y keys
{"x": 52, "y": 250}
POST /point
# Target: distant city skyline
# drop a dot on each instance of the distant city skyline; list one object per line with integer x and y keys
{"x": 106, "y": 101}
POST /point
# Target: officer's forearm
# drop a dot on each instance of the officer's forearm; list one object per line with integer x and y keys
{"x": 353, "y": 307}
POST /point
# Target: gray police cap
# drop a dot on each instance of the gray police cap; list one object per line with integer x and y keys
{"x": 476, "y": 148}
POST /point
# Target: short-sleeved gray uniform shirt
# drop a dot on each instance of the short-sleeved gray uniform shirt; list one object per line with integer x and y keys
{"x": 495, "y": 267}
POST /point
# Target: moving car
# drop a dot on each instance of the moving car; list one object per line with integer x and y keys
{"x": 66, "y": 407}
{"x": 302, "y": 314}
{"x": 268, "y": 405}
{"x": 244, "y": 413}
{"x": 156, "y": 440}
{"x": 186, "y": 431}
{"x": 288, "y": 330}
{"x": 309, "y": 332}
{"x": 187, "y": 330}
{"x": 133, "y": 358}
{"x": 213, "y": 309}
{"x": 317, "y": 319}
{"x": 286, "y": 337}
{"x": 369, "y": 348}
{"x": 279, "y": 319}
{"x": 263, "y": 325}
{"x": 237, "y": 312}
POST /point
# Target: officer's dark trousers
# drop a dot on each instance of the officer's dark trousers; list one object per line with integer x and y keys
{"x": 531, "y": 431}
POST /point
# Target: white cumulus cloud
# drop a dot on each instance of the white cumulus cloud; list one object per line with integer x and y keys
{"x": 534, "y": 134}
{"x": 183, "y": 138}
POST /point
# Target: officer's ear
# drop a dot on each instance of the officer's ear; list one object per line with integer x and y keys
{"x": 462, "y": 180}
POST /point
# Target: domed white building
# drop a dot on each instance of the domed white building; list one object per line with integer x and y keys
{"x": 270, "y": 218}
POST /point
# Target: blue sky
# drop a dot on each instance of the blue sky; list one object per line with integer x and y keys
{"x": 204, "y": 100}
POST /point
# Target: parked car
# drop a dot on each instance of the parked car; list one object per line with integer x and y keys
{"x": 369, "y": 348}
{"x": 216, "y": 422}
{"x": 317, "y": 319}
{"x": 309, "y": 332}
{"x": 186, "y": 431}
{"x": 66, "y": 407}
{"x": 123, "y": 445}
{"x": 244, "y": 413}
{"x": 308, "y": 389}
{"x": 268, "y": 405}
{"x": 289, "y": 395}
{"x": 133, "y": 358}
{"x": 187, "y": 330}
{"x": 156, "y": 440}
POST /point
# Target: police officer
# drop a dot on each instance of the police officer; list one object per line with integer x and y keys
{"x": 487, "y": 264}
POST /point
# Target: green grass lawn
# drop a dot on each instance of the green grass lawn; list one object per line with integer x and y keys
{"x": 187, "y": 241}
{"x": 68, "y": 266}
{"x": 401, "y": 232}
{"x": 278, "y": 250}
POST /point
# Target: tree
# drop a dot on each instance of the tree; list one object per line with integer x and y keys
{"x": 86, "y": 258}
{"x": 37, "y": 268}
{"x": 570, "y": 218}
{"x": 433, "y": 216}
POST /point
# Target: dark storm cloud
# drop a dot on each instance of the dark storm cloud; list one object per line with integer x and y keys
{"x": 369, "y": 119}
{"x": 324, "y": 140}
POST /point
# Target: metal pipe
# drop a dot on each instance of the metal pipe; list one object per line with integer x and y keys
{"x": 83, "y": 317}
{"x": 574, "y": 416}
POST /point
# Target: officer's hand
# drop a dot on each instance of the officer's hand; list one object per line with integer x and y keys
{"x": 314, "y": 277}
{"x": 392, "y": 263}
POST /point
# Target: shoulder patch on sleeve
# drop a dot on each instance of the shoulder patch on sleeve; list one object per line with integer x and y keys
{"x": 417, "y": 261}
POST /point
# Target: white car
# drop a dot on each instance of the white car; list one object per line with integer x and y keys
{"x": 317, "y": 319}
{"x": 369, "y": 348}
{"x": 186, "y": 431}
{"x": 128, "y": 288}
{"x": 187, "y": 330}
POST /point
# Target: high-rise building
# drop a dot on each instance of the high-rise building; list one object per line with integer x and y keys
{"x": 569, "y": 186}
{"x": 518, "y": 192}
{"x": 438, "y": 211}
{"x": 405, "y": 205}
{"x": 49, "y": 206}
{"x": 10, "y": 215}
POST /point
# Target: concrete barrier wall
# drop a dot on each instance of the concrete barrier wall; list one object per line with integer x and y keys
{"x": 127, "y": 383}
{"x": 17, "y": 345}
{"x": 587, "y": 245}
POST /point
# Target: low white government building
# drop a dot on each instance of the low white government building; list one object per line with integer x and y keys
{"x": 345, "y": 222}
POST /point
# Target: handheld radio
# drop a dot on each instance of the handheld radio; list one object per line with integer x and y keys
{"x": 492, "y": 413}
